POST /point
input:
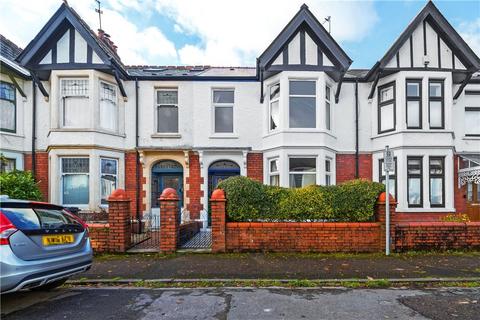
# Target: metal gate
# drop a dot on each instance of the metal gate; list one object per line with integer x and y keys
{"x": 145, "y": 232}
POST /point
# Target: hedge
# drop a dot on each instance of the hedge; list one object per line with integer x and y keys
{"x": 249, "y": 200}
{"x": 19, "y": 185}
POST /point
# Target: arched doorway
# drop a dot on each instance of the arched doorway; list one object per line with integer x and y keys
{"x": 166, "y": 174}
{"x": 217, "y": 172}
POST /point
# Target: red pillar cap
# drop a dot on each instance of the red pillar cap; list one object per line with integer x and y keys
{"x": 383, "y": 197}
{"x": 218, "y": 194}
{"x": 169, "y": 194}
{"x": 118, "y": 194}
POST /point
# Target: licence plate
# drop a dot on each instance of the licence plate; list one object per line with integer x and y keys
{"x": 57, "y": 239}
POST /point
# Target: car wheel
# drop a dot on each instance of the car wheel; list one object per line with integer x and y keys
{"x": 51, "y": 285}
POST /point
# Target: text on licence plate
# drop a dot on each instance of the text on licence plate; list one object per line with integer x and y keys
{"x": 57, "y": 239}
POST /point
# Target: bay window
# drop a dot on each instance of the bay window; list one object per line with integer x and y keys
{"x": 274, "y": 109}
{"x": 472, "y": 121}
{"x": 437, "y": 181}
{"x": 7, "y": 165}
{"x": 302, "y": 104}
{"x": 414, "y": 104}
{"x": 436, "y": 104}
{"x": 74, "y": 103}
{"x": 167, "y": 111}
{"x": 75, "y": 181}
{"x": 392, "y": 176}
{"x": 223, "y": 101}
{"x": 327, "y": 108}
{"x": 414, "y": 181}
{"x": 108, "y": 107}
{"x": 108, "y": 178}
{"x": 302, "y": 172}
{"x": 8, "y": 107}
{"x": 386, "y": 108}
{"x": 274, "y": 173}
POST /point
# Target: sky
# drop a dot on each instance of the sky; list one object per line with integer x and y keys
{"x": 233, "y": 32}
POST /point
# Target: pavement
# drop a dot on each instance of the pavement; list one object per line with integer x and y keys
{"x": 243, "y": 303}
{"x": 284, "y": 266}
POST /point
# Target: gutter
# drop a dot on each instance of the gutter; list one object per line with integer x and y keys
{"x": 34, "y": 112}
{"x": 356, "y": 131}
{"x": 137, "y": 158}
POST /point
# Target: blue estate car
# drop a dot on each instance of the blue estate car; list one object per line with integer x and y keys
{"x": 41, "y": 245}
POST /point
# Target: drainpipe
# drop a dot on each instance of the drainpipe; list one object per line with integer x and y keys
{"x": 34, "y": 129}
{"x": 137, "y": 167}
{"x": 356, "y": 131}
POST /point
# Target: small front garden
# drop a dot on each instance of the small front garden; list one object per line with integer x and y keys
{"x": 249, "y": 200}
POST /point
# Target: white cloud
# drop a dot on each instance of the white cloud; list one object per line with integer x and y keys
{"x": 470, "y": 32}
{"x": 237, "y": 32}
{"x": 135, "y": 46}
{"x": 230, "y": 32}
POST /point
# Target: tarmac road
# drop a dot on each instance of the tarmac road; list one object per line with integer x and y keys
{"x": 243, "y": 303}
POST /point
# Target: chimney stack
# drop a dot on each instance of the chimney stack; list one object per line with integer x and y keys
{"x": 105, "y": 38}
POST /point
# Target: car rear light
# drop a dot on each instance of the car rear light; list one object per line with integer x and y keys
{"x": 6, "y": 229}
{"x": 83, "y": 223}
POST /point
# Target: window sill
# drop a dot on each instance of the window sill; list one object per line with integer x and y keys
{"x": 87, "y": 130}
{"x": 12, "y": 134}
{"x": 327, "y": 132}
{"x": 389, "y": 133}
{"x": 471, "y": 137}
{"x": 223, "y": 136}
{"x": 425, "y": 210}
{"x": 166, "y": 135}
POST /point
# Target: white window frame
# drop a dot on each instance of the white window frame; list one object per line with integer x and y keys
{"x": 158, "y": 105}
{"x": 216, "y": 105}
{"x": 117, "y": 109}
{"x": 328, "y": 173}
{"x": 62, "y": 174}
{"x": 468, "y": 131}
{"x": 101, "y": 174}
{"x": 303, "y": 96}
{"x": 328, "y": 100}
{"x": 271, "y": 101}
{"x": 273, "y": 173}
{"x": 303, "y": 172}
{"x": 62, "y": 97}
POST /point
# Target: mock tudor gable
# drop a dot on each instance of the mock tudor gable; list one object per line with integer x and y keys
{"x": 303, "y": 45}
{"x": 66, "y": 42}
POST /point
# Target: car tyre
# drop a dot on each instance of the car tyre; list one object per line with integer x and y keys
{"x": 51, "y": 285}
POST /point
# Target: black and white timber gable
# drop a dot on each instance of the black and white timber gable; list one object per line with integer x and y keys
{"x": 429, "y": 43}
{"x": 304, "y": 45}
{"x": 66, "y": 42}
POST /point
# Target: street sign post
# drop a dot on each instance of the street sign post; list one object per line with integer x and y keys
{"x": 388, "y": 163}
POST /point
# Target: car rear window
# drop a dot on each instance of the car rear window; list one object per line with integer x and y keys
{"x": 35, "y": 219}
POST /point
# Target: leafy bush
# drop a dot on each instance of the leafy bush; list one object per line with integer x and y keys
{"x": 249, "y": 200}
{"x": 19, "y": 185}
{"x": 452, "y": 217}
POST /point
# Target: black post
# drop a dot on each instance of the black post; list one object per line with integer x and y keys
{"x": 356, "y": 131}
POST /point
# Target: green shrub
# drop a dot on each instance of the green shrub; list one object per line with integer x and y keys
{"x": 249, "y": 200}
{"x": 19, "y": 185}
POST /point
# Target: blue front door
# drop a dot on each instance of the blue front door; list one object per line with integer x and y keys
{"x": 161, "y": 181}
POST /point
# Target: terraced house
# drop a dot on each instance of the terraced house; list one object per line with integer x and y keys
{"x": 86, "y": 124}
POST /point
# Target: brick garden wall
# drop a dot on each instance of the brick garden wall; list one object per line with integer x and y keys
{"x": 303, "y": 237}
{"x": 255, "y": 166}
{"x": 99, "y": 236}
{"x": 188, "y": 230}
{"x": 437, "y": 235}
{"x": 41, "y": 170}
{"x": 345, "y": 167}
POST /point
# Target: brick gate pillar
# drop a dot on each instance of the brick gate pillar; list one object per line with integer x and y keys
{"x": 217, "y": 205}
{"x": 169, "y": 224}
{"x": 380, "y": 216}
{"x": 119, "y": 221}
